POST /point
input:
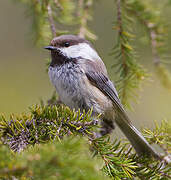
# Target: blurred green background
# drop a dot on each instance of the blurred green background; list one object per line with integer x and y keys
{"x": 23, "y": 77}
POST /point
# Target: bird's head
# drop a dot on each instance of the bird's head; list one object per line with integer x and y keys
{"x": 70, "y": 47}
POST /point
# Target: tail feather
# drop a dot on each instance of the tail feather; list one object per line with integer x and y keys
{"x": 137, "y": 140}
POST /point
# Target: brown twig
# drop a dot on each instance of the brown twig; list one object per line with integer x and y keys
{"x": 153, "y": 36}
{"x": 80, "y": 7}
{"x": 51, "y": 20}
{"x": 83, "y": 14}
{"x": 58, "y": 4}
{"x": 119, "y": 17}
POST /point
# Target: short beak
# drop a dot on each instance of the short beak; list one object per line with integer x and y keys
{"x": 50, "y": 48}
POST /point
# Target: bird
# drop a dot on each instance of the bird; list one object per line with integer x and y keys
{"x": 81, "y": 81}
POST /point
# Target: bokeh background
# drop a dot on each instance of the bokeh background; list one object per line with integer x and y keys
{"x": 23, "y": 77}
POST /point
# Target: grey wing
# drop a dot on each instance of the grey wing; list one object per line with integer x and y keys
{"x": 97, "y": 75}
{"x": 103, "y": 83}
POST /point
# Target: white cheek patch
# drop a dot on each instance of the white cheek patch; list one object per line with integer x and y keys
{"x": 80, "y": 50}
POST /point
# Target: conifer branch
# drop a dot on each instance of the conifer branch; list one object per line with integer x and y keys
{"x": 151, "y": 30}
{"x": 130, "y": 72}
{"x": 67, "y": 160}
{"x": 123, "y": 50}
{"x": 156, "y": 31}
{"x": 120, "y": 32}
{"x": 57, "y": 123}
{"x": 44, "y": 124}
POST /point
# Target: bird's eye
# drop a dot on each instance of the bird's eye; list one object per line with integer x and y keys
{"x": 66, "y": 44}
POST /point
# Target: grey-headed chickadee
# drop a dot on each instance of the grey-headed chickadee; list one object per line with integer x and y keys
{"x": 81, "y": 81}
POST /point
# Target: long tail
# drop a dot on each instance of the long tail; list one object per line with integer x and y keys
{"x": 137, "y": 140}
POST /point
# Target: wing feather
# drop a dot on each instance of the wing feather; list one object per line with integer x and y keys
{"x": 104, "y": 84}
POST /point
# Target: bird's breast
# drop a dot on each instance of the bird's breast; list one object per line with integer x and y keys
{"x": 67, "y": 80}
{"x": 75, "y": 90}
